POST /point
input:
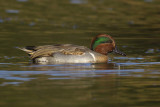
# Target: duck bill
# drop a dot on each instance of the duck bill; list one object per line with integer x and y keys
{"x": 117, "y": 51}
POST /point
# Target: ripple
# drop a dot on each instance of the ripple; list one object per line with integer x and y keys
{"x": 22, "y": 0}
{"x": 140, "y": 64}
{"x": 78, "y": 1}
{"x": 23, "y": 75}
{"x": 10, "y": 83}
{"x": 129, "y": 58}
{"x": 12, "y": 11}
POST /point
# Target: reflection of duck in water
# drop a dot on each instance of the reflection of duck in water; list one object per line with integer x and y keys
{"x": 101, "y": 45}
{"x": 73, "y": 67}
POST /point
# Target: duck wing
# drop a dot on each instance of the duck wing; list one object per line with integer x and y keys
{"x": 50, "y": 50}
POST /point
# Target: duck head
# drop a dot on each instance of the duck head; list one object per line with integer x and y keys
{"x": 105, "y": 44}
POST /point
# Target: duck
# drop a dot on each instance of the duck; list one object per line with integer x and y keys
{"x": 101, "y": 46}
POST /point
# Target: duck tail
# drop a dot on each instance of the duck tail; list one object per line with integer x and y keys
{"x": 27, "y": 49}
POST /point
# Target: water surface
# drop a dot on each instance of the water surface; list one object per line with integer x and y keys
{"x": 123, "y": 81}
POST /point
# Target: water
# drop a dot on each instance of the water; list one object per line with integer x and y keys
{"x": 123, "y": 81}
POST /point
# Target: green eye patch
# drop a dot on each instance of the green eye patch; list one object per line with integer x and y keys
{"x": 101, "y": 40}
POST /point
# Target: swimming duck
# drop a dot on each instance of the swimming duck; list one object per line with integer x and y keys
{"x": 100, "y": 46}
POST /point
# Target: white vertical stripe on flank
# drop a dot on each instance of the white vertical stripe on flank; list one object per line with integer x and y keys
{"x": 93, "y": 56}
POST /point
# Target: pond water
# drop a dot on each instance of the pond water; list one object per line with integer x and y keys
{"x": 133, "y": 80}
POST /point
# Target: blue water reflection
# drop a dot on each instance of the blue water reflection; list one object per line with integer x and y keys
{"x": 12, "y": 11}
{"x": 76, "y": 71}
{"x": 22, "y": 0}
{"x": 78, "y": 1}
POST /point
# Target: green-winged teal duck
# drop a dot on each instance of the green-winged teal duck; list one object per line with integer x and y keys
{"x": 101, "y": 45}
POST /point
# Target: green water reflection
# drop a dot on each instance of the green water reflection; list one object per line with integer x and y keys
{"x": 123, "y": 82}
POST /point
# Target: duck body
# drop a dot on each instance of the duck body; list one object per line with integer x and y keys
{"x": 68, "y": 53}
{"x": 59, "y": 58}
{"x": 64, "y": 53}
